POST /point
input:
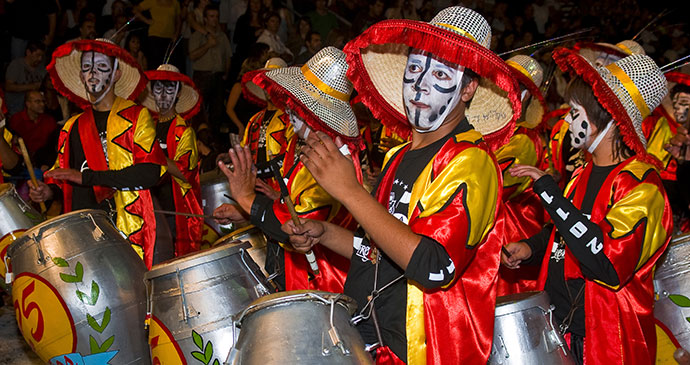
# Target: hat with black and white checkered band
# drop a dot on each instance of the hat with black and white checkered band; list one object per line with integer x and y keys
{"x": 593, "y": 51}
{"x": 188, "y": 99}
{"x": 529, "y": 73}
{"x": 456, "y": 35}
{"x": 319, "y": 92}
{"x": 251, "y": 91}
{"x": 629, "y": 89}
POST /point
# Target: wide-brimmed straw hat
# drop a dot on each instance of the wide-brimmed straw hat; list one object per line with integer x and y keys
{"x": 378, "y": 58}
{"x": 529, "y": 73}
{"x": 591, "y": 50}
{"x": 65, "y": 68}
{"x": 629, "y": 89}
{"x": 319, "y": 92}
{"x": 673, "y": 79}
{"x": 188, "y": 99}
{"x": 251, "y": 91}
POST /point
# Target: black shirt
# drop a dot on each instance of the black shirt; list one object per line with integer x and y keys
{"x": 163, "y": 191}
{"x": 428, "y": 257}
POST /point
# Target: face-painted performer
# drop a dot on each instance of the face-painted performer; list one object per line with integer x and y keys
{"x": 524, "y": 214}
{"x": 612, "y": 222}
{"x": 315, "y": 98}
{"x": 173, "y": 99}
{"x": 429, "y": 237}
{"x": 103, "y": 161}
{"x": 8, "y": 157}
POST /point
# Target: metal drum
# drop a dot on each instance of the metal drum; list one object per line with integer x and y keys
{"x": 193, "y": 298}
{"x": 524, "y": 332}
{"x": 215, "y": 191}
{"x": 17, "y": 217}
{"x": 299, "y": 327}
{"x": 255, "y": 237}
{"x": 79, "y": 292}
{"x": 672, "y": 287}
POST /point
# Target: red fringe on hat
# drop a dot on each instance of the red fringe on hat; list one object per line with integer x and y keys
{"x": 534, "y": 90}
{"x": 283, "y": 99}
{"x": 678, "y": 77}
{"x": 250, "y": 96}
{"x": 105, "y": 48}
{"x": 162, "y": 75}
{"x": 600, "y": 48}
{"x": 569, "y": 61}
{"x": 446, "y": 45}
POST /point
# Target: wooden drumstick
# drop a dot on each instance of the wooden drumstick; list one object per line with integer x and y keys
{"x": 30, "y": 167}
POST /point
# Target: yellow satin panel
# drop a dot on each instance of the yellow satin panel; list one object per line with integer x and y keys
{"x": 521, "y": 150}
{"x": 475, "y": 168}
{"x": 119, "y": 158}
{"x": 276, "y": 125}
{"x": 186, "y": 144}
{"x": 661, "y": 135}
{"x": 7, "y": 135}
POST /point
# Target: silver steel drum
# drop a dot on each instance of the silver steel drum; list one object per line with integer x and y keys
{"x": 672, "y": 287}
{"x": 79, "y": 292}
{"x": 193, "y": 298}
{"x": 255, "y": 237}
{"x": 299, "y": 327}
{"x": 214, "y": 192}
{"x": 16, "y": 216}
{"x": 524, "y": 332}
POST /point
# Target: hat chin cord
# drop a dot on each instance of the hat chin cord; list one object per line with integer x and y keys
{"x": 599, "y": 138}
{"x": 106, "y": 90}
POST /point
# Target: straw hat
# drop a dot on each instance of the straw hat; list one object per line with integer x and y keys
{"x": 252, "y": 91}
{"x": 65, "y": 68}
{"x": 188, "y": 99}
{"x": 629, "y": 89}
{"x": 673, "y": 78}
{"x": 529, "y": 73}
{"x": 319, "y": 92}
{"x": 378, "y": 57}
{"x": 591, "y": 50}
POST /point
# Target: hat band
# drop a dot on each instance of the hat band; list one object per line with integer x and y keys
{"x": 458, "y": 30}
{"x": 624, "y": 48}
{"x": 272, "y": 67}
{"x": 519, "y": 67}
{"x": 630, "y": 86}
{"x": 325, "y": 88}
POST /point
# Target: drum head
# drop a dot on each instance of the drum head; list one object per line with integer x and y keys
{"x": 196, "y": 258}
{"x": 298, "y": 296}
{"x": 522, "y": 301}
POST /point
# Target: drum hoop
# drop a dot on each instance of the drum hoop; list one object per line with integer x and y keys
{"x": 7, "y": 188}
{"x": 232, "y": 236}
{"x": 294, "y": 296}
{"x": 196, "y": 258}
{"x": 537, "y": 300}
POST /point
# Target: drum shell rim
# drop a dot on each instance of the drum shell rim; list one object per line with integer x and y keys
{"x": 539, "y": 299}
{"x": 197, "y": 258}
{"x": 239, "y": 231}
{"x": 294, "y": 296}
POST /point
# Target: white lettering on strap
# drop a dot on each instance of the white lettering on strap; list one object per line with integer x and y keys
{"x": 547, "y": 198}
{"x": 595, "y": 246}
{"x": 578, "y": 229}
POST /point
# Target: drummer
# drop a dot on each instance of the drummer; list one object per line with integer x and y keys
{"x": 107, "y": 156}
{"x": 325, "y": 108}
{"x": 434, "y": 219}
{"x": 9, "y": 159}
{"x": 173, "y": 99}
{"x": 612, "y": 222}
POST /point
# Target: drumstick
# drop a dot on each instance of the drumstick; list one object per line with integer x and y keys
{"x": 506, "y": 252}
{"x": 170, "y": 212}
{"x": 311, "y": 258}
{"x": 30, "y": 167}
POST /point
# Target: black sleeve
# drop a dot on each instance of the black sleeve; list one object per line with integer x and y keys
{"x": 136, "y": 177}
{"x": 430, "y": 265}
{"x": 264, "y": 218}
{"x": 584, "y": 238}
{"x": 538, "y": 243}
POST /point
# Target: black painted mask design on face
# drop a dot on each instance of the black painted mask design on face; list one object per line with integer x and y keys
{"x": 165, "y": 94}
{"x": 97, "y": 71}
{"x": 431, "y": 89}
{"x": 681, "y": 106}
{"x": 580, "y": 127}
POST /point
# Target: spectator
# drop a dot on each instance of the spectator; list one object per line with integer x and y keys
{"x": 403, "y": 9}
{"x": 195, "y": 18}
{"x": 57, "y": 106}
{"x": 38, "y": 129}
{"x": 298, "y": 36}
{"x": 117, "y": 31}
{"x": 24, "y": 74}
{"x": 239, "y": 109}
{"x": 69, "y": 23}
{"x": 229, "y": 17}
{"x": 210, "y": 54}
{"x": 108, "y": 23}
{"x": 31, "y": 20}
{"x": 87, "y": 28}
{"x": 322, "y": 19}
{"x": 248, "y": 29}
{"x": 133, "y": 46}
{"x": 285, "y": 18}
{"x": 373, "y": 14}
{"x": 270, "y": 36}
{"x": 164, "y": 26}
{"x": 313, "y": 45}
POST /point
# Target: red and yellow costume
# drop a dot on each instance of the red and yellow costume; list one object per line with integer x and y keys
{"x": 454, "y": 201}
{"x": 131, "y": 137}
{"x": 7, "y": 135}
{"x": 278, "y": 133}
{"x": 634, "y": 215}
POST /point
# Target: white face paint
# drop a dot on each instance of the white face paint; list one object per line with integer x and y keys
{"x": 165, "y": 95}
{"x": 431, "y": 90}
{"x": 580, "y": 127}
{"x": 301, "y": 128}
{"x": 681, "y": 106}
{"x": 97, "y": 71}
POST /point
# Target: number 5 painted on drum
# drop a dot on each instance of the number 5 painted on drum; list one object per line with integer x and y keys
{"x": 26, "y": 310}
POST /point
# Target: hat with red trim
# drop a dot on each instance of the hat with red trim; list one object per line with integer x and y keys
{"x": 592, "y": 51}
{"x": 629, "y": 89}
{"x": 529, "y": 73}
{"x": 252, "y": 91}
{"x": 319, "y": 92}
{"x": 458, "y": 35}
{"x": 188, "y": 99}
{"x": 65, "y": 69}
